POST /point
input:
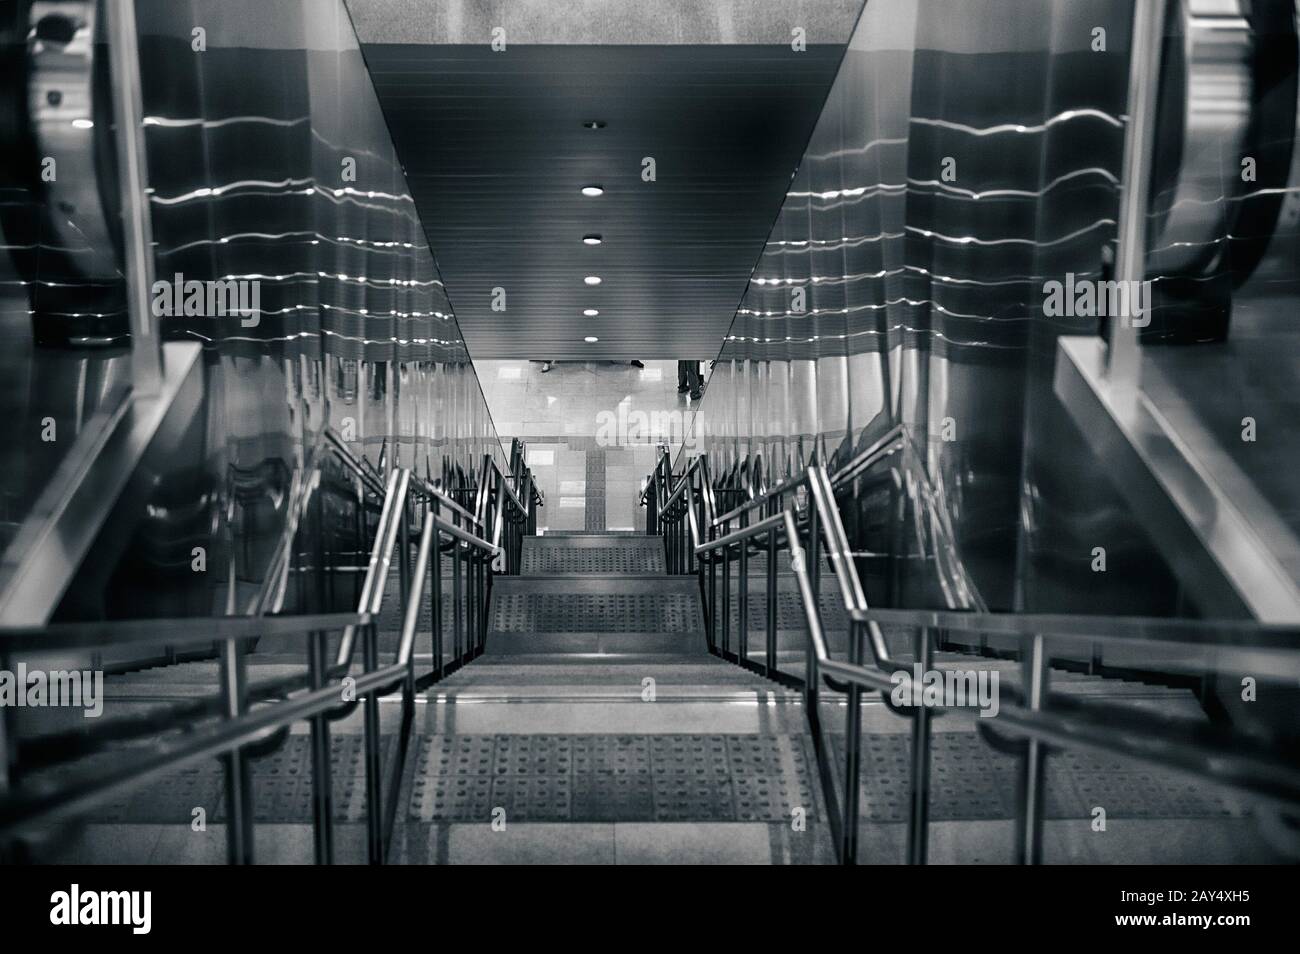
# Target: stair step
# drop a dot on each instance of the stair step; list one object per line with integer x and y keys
{"x": 599, "y": 643}
{"x": 592, "y": 554}
{"x": 621, "y": 534}
{"x": 595, "y": 614}
{"x": 665, "y": 669}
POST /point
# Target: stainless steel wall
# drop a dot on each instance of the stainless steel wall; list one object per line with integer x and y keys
{"x": 967, "y": 154}
{"x": 270, "y": 161}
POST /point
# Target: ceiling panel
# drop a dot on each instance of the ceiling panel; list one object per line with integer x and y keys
{"x": 496, "y": 155}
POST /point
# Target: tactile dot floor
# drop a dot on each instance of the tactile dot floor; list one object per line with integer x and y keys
{"x": 613, "y": 778}
{"x": 282, "y": 787}
{"x": 969, "y": 780}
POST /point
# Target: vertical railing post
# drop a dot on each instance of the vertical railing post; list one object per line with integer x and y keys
{"x": 726, "y": 591}
{"x": 918, "y": 816}
{"x": 742, "y": 602}
{"x": 771, "y": 592}
{"x": 651, "y": 507}
{"x": 811, "y": 689}
{"x": 322, "y": 795}
{"x": 1123, "y": 354}
{"x": 852, "y": 755}
{"x": 471, "y": 578}
{"x": 435, "y": 581}
{"x": 674, "y": 538}
{"x": 713, "y": 588}
{"x": 133, "y": 185}
{"x": 456, "y": 588}
{"x": 239, "y": 781}
{"x": 373, "y": 753}
{"x": 1033, "y": 763}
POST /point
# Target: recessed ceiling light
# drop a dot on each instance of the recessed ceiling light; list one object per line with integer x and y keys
{"x": 594, "y": 123}
{"x": 592, "y": 279}
{"x": 592, "y": 190}
{"x": 591, "y": 312}
{"x": 591, "y": 240}
{"x": 591, "y": 339}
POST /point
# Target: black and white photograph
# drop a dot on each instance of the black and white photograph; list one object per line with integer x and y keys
{"x": 651, "y": 432}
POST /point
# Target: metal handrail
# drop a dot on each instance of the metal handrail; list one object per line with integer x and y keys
{"x": 1035, "y": 716}
{"x": 244, "y": 725}
{"x": 180, "y": 631}
{"x": 430, "y": 489}
{"x": 694, "y": 465}
{"x": 270, "y": 596}
{"x": 359, "y": 467}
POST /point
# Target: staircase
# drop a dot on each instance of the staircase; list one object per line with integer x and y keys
{"x": 597, "y": 728}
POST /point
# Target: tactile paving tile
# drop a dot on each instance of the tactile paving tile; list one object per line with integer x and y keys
{"x": 281, "y": 787}
{"x": 690, "y": 757}
{"x": 522, "y": 755}
{"x": 554, "y": 559}
{"x": 533, "y": 798}
{"x": 594, "y": 613}
{"x": 616, "y": 754}
{"x": 455, "y": 797}
{"x": 969, "y": 780}
{"x": 282, "y": 780}
{"x": 693, "y": 799}
{"x": 605, "y": 796}
{"x": 171, "y": 800}
{"x": 613, "y": 778}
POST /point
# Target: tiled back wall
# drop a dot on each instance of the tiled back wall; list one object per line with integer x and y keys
{"x": 587, "y": 460}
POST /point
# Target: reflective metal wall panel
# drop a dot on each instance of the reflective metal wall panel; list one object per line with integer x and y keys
{"x": 969, "y": 158}
{"x": 275, "y": 188}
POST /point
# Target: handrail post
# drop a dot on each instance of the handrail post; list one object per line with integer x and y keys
{"x": 726, "y": 592}
{"x": 670, "y": 539}
{"x": 852, "y": 756}
{"x": 742, "y": 602}
{"x": 1031, "y": 795}
{"x": 811, "y": 689}
{"x": 404, "y": 561}
{"x": 373, "y": 754}
{"x": 436, "y": 608}
{"x": 133, "y": 182}
{"x": 651, "y": 507}
{"x": 239, "y": 782}
{"x": 770, "y": 659}
{"x": 322, "y": 795}
{"x": 712, "y": 627}
{"x": 918, "y": 816}
{"x": 456, "y": 594}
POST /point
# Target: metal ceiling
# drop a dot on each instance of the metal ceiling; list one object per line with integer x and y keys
{"x": 496, "y": 155}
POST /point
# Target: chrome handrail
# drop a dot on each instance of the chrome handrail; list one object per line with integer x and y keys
{"x": 1035, "y": 716}
{"x": 244, "y": 725}
{"x": 182, "y": 630}
{"x": 431, "y": 489}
